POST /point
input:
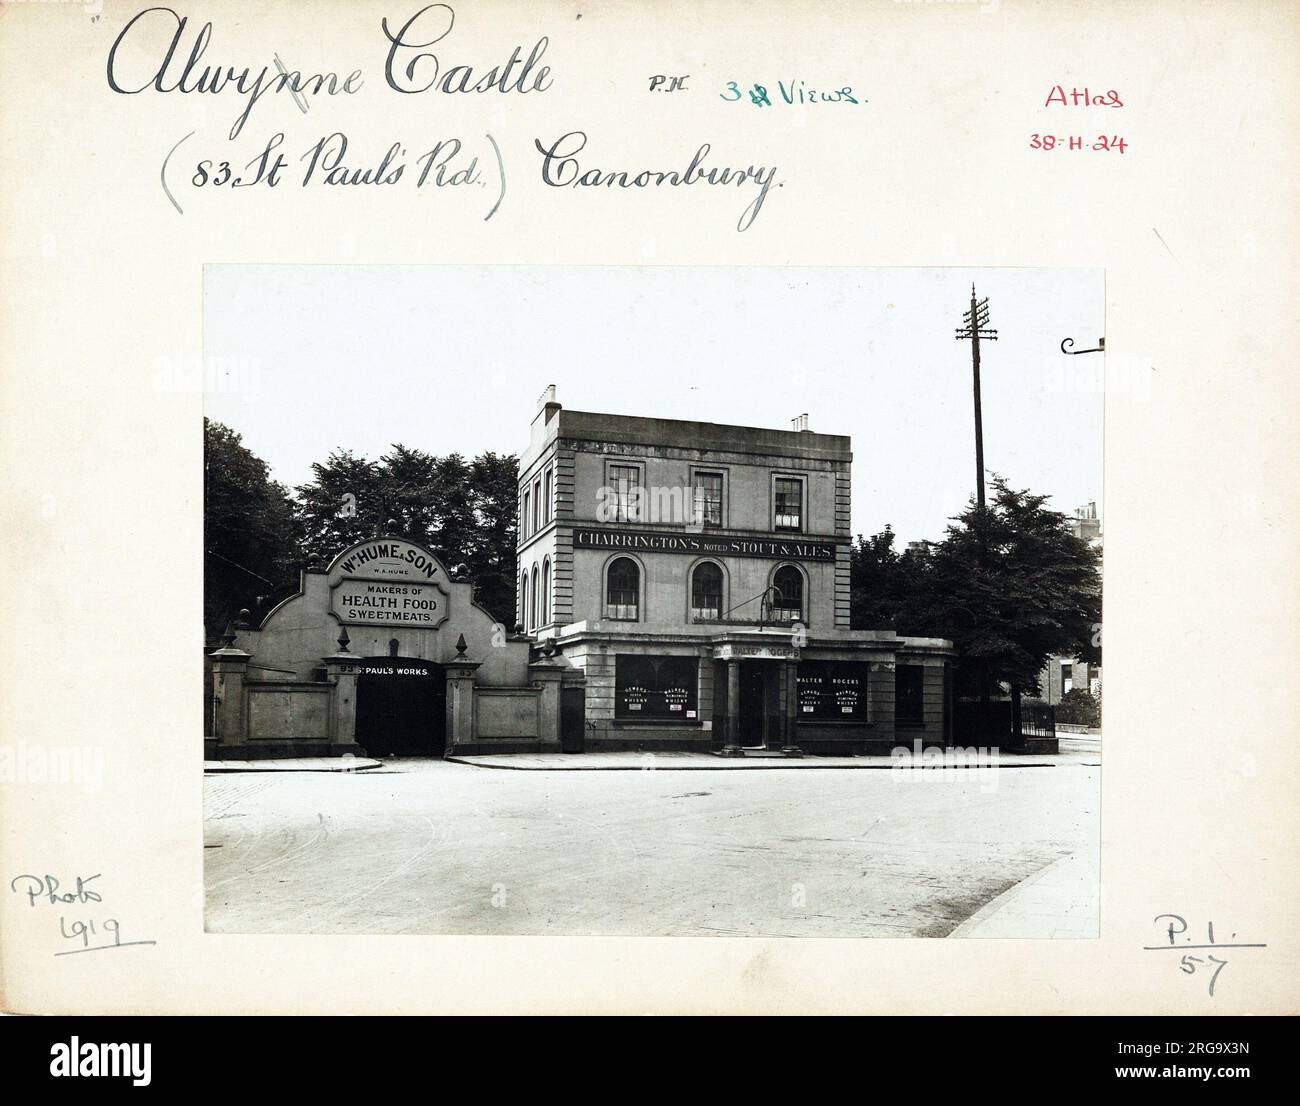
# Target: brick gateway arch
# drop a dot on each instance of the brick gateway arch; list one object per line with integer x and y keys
{"x": 381, "y": 653}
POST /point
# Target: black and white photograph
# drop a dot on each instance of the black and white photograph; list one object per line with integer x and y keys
{"x": 652, "y": 601}
{"x": 648, "y": 508}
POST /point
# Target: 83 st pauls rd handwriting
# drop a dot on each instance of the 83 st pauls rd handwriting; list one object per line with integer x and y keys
{"x": 448, "y": 163}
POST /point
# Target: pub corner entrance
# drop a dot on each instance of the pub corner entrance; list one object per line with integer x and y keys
{"x": 401, "y": 708}
{"x": 758, "y": 709}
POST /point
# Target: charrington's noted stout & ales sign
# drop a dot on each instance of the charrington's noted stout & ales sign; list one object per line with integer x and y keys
{"x": 650, "y": 542}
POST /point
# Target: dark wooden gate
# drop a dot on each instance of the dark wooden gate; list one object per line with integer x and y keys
{"x": 401, "y": 708}
{"x": 573, "y": 719}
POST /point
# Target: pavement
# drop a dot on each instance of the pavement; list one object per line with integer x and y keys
{"x": 711, "y": 762}
{"x": 1058, "y": 901}
{"x": 1074, "y": 749}
{"x": 421, "y": 846}
{"x": 347, "y": 763}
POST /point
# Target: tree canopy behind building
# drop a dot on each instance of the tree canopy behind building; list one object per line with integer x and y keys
{"x": 1011, "y": 586}
{"x": 258, "y": 534}
{"x": 250, "y": 533}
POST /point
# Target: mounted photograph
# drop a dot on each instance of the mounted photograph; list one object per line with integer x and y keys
{"x": 661, "y": 601}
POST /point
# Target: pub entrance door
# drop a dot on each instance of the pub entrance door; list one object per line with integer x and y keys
{"x": 401, "y": 708}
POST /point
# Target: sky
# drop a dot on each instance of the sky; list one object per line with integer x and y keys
{"x": 305, "y": 359}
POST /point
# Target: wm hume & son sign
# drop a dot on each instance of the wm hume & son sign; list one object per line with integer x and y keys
{"x": 389, "y": 583}
{"x": 650, "y": 542}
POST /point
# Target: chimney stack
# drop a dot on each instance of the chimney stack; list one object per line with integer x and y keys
{"x": 800, "y": 422}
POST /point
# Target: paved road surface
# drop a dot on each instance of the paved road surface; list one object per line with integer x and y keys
{"x": 434, "y": 847}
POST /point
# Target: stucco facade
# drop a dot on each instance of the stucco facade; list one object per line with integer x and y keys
{"x": 692, "y": 581}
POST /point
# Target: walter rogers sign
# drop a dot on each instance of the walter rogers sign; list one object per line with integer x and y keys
{"x": 649, "y": 542}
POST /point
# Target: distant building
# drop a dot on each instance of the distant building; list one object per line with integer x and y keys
{"x": 1063, "y": 674}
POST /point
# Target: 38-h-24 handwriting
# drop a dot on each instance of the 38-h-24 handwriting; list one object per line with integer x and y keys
{"x": 1116, "y": 143}
{"x": 1085, "y": 97}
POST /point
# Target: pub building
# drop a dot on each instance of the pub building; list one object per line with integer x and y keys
{"x": 691, "y": 580}
{"x": 681, "y": 585}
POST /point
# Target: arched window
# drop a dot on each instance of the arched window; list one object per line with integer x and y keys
{"x": 546, "y": 591}
{"x": 623, "y": 590}
{"x": 706, "y": 592}
{"x": 532, "y": 609}
{"x": 523, "y": 599}
{"x": 787, "y": 600}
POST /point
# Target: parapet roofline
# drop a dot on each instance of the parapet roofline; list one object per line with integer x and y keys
{"x": 643, "y": 430}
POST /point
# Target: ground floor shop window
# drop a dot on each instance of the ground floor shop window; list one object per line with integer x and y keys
{"x": 833, "y": 691}
{"x": 909, "y": 703}
{"x": 655, "y": 688}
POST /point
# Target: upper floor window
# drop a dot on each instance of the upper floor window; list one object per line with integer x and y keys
{"x": 706, "y": 592}
{"x": 537, "y": 504}
{"x": 546, "y": 497}
{"x": 625, "y": 488}
{"x": 523, "y": 516}
{"x": 623, "y": 589}
{"x": 707, "y": 495}
{"x": 788, "y": 506}
{"x": 786, "y": 596}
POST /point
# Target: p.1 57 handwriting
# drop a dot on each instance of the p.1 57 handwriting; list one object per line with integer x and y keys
{"x": 1174, "y": 928}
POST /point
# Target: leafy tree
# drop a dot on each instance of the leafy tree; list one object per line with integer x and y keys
{"x": 249, "y": 533}
{"x": 886, "y": 587}
{"x": 1079, "y": 707}
{"x": 343, "y": 505}
{"x": 1011, "y": 585}
{"x": 463, "y": 511}
{"x": 491, "y": 557}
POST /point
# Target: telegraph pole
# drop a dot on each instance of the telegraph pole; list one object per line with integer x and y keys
{"x": 975, "y": 328}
